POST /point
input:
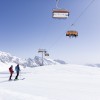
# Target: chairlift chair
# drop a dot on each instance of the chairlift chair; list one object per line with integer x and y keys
{"x": 60, "y": 13}
{"x": 41, "y": 50}
{"x": 46, "y": 54}
{"x": 72, "y": 33}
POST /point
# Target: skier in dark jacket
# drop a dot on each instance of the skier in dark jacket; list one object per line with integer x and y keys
{"x": 17, "y": 69}
{"x": 11, "y": 72}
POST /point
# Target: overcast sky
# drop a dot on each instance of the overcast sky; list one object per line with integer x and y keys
{"x": 27, "y": 25}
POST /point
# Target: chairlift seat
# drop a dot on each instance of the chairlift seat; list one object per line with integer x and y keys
{"x": 60, "y": 13}
{"x": 40, "y": 51}
{"x": 72, "y": 33}
{"x": 46, "y": 54}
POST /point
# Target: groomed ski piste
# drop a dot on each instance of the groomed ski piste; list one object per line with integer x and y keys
{"x": 53, "y": 82}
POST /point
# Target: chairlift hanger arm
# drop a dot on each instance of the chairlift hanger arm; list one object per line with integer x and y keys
{"x": 57, "y": 1}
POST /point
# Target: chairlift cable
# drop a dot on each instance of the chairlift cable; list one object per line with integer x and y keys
{"x": 82, "y": 12}
{"x": 56, "y": 41}
{"x": 75, "y": 20}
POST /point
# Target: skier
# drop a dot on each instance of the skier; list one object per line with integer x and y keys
{"x": 17, "y": 69}
{"x": 11, "y": 72}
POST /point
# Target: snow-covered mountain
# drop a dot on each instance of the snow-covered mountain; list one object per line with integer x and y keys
{"x": 93, "y": 65}
{"x": 30, "y": 62}
{"x": 60, "y": 61}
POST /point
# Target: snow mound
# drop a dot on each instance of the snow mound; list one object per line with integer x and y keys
{"x": 18, "y": 95}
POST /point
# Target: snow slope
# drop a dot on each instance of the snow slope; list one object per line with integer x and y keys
{"x": 54, "y": 82}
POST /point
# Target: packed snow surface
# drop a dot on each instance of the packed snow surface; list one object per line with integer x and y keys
{"x": 53, "y": 82}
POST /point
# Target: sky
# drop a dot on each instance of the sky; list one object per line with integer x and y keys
{"x": 27, "y": 25}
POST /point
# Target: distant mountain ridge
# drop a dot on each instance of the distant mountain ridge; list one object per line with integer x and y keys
{"x": 30, "y": 62}
{"x": 94, "y": 65}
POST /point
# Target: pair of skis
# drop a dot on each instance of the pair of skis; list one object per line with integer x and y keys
{"x": 17, "y": 79}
